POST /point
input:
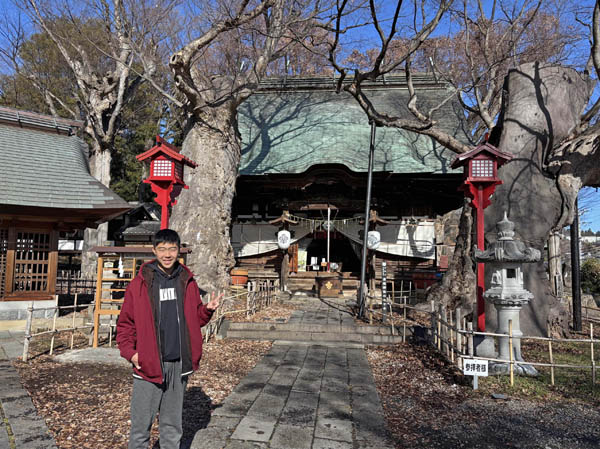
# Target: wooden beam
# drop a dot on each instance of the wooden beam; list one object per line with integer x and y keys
{"x": 10, "y": 261}
{"x": 53, "y": 262}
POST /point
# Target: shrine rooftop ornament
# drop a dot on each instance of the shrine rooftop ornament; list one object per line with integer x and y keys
{"x": 165, "y": 175}
{"x": 480, "y": 180}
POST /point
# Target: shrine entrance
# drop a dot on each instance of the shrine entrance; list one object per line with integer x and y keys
{"x": 342, "y": 255}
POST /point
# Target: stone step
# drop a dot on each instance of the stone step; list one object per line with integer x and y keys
{"x": 314, "y": 336}
{"x": 303, "y": 327}
{"x": 309, "y": 332}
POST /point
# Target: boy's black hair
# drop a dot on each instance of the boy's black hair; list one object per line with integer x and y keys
{"x": 166, "y": 236}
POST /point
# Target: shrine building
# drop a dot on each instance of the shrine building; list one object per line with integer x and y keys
{"x": 305, "y": 153}
{"x": 47, "y": 189}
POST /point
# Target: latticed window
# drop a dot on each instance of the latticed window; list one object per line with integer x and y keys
{"x": 32, "y": 262}
{"x": 3, "y": 260}
{"x": 482, "y": 168}
{"x": 161, "y": 167}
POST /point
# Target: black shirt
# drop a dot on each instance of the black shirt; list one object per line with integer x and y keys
{"x": 169, "y": 316}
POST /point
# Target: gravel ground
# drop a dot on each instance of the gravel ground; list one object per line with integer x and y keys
{"x": 428, "y": 405}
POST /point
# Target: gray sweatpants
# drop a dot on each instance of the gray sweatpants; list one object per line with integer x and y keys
{"x": 148, "y": 398}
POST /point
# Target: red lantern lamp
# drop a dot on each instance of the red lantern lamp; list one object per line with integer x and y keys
{"x": 480, "y": 180}
{"x": 166, "y": 175}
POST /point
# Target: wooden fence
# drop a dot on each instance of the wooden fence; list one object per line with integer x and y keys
{"x": 54, "y": 331}
{"x": 383, "y": 310}
{"x": 453, "y": 336}
{"x": 70, "y": 283}
{"x": 257, "y": 296}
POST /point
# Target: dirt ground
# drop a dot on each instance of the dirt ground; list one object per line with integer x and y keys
{"x": 429, "y": 404}
{"x": 87, "y": 405}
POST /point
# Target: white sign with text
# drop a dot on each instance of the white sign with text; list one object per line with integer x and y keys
{"x": 473, "y": 367}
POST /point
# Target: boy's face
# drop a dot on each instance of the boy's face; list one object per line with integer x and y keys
{"x": 166, "y": 253}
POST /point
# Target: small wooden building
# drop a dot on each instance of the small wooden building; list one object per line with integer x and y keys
{"x": 46, "y": 188}
{"x": 306, "y": 151}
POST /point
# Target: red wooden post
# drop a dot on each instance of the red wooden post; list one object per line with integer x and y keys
{"x": 166, "y": 175}
{"x": 480, "y": 266}
{"x": 481, "y": 178}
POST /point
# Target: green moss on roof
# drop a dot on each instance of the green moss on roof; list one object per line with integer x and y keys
{"x": 290, "y": 131}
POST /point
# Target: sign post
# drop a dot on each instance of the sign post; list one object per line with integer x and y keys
{"x": 476, "y": 368}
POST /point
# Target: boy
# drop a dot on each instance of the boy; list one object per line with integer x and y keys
{"x": 159, "y": 333}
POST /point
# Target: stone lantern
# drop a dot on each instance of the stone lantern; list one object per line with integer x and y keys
{"x": 505, "y": 257}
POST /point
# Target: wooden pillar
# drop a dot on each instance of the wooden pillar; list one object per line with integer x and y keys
{"x": 10, "y": 260}
{"x": 98, "y": 305}
{"x": 53, "y": 262}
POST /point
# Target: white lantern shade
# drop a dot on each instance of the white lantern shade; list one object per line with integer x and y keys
{"x": 283, "y": 239}
{"x": 373, "y": 239}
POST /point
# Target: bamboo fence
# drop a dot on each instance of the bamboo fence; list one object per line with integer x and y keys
{"x": 54, "y": 331}
{"x": 453, "y": 337}
{"x": 258, "y": 296}
{"x": 386, "y": 310}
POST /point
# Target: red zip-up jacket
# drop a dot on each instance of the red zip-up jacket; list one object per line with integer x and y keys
{"x": 137, "y": 326}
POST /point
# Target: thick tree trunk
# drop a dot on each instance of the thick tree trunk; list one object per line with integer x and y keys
{"x": 541, "y": 108}
{"x": 458, "y": 285}
{"x": 202, "y": 215}
{"x": 99, "y": 169}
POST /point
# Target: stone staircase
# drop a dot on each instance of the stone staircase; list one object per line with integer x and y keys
{"x": 320, "y": 321}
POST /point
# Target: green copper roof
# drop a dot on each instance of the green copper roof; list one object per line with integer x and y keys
{"x": 288, "y": 131}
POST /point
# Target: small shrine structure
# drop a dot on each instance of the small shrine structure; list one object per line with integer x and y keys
{"x": 47, "y": 190}
{"x": 166, "y": 175}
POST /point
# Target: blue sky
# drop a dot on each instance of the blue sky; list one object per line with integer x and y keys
{"x": 589, "y": 198}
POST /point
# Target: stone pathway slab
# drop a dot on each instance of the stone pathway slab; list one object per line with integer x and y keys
{"x": 304, "y": 395}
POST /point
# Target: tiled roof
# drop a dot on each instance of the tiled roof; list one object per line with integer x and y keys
{"x": 165, "y": 147}
{"x": 146, "y": 227}
{"x": 290, "y": 129}
{"x": 47, "y": 169}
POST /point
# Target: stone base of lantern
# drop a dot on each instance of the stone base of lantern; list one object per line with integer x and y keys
{"x": 503, "y": 369}
{"x": 485, "y": 346}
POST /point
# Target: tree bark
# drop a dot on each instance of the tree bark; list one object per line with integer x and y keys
{"x": 457, "y": 288}
{"x": 542, "y": 107}
{"x": 202, "y": 216}
{"x": 99, "y": 169}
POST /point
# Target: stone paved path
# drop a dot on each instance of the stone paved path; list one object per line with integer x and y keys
{"x": 27, "y": 429}
{"x": 303, "y": 396}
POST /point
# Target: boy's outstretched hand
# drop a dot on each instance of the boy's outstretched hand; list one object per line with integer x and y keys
{"x": 214, "y": 302}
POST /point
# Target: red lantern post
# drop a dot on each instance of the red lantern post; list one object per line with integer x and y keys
{"x": 480, "y": 180}
{"x": 166, "y": 175}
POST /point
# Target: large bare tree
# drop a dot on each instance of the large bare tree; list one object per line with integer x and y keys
{"x": 508, "y": 80}
{"x": 109, "y": 47}
{"x": 238, "y": 43}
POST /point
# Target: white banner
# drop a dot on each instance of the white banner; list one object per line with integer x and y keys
{"x": 255, "y": 239}
{"x": 399, "y": 238}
